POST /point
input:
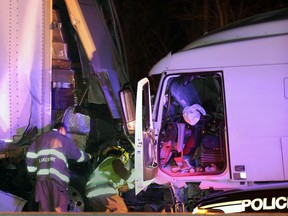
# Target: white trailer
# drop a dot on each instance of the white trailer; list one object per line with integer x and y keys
{"x": 220, "y": 113}
{"x": 25, "y": 67}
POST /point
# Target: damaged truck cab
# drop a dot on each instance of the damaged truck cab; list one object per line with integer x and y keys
{"x": 220, "y": 113}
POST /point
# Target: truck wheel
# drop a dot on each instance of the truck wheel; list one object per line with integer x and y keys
{"x": 78, "y": 199}
{"x": 77, "y": 203}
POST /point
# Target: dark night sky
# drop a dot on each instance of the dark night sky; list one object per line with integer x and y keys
{"x": 152, "y": 28}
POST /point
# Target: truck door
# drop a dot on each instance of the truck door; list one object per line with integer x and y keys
{"x": 145, "y": 145}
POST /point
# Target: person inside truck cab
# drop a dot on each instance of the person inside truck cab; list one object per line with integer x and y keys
{"x": 186, "y": 91}
{"x": 108, "y": 181}
{"x": 183, "y": 105}
{"x": 46, "y": 161}
{"x": 193, "y": 101}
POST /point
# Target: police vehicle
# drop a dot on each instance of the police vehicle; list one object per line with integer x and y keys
{"x": 260, "y": 198}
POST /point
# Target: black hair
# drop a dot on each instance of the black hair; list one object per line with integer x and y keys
{"x": 59, "y": 125}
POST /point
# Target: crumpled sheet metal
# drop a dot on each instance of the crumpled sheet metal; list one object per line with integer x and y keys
{"x": 76, "y": 122}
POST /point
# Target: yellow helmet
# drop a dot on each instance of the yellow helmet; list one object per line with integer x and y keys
{"x": 121, "y": 152}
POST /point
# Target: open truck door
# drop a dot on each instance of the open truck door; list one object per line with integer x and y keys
{"x": 145, "y": 144}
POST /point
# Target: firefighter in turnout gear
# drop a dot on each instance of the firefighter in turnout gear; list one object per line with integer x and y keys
{"x": 108, "y": 181}
{"x": 46, "y": 160}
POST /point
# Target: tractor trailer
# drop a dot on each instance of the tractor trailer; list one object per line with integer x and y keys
{"x": 219, "y": 116}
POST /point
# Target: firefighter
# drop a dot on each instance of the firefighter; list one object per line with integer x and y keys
{"x": 108, "y": 181}
{"x": 47, "y": 162}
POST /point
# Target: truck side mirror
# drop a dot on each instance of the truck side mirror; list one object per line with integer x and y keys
{"x": 128, "y": 110}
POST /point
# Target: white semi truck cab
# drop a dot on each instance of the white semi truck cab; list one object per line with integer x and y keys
{"x": 220, "y": 116}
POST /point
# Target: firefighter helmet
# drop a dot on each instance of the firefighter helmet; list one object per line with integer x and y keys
{"x": 117, "y": 150}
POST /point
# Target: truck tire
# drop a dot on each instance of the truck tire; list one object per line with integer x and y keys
{"x": 78, "y": 199}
